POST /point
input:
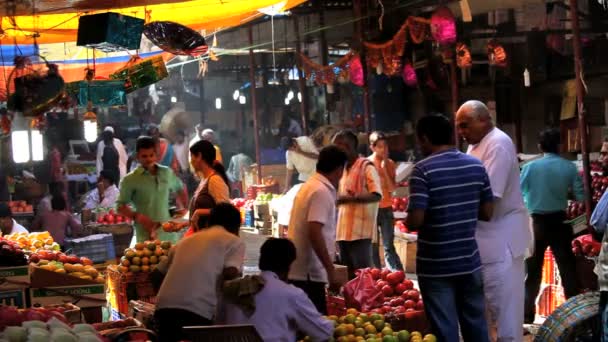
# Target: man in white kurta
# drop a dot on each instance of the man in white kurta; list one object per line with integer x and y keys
{"x": 502, "y": 241}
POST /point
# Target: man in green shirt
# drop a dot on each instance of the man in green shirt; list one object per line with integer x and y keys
{"x": 147, "y": 188}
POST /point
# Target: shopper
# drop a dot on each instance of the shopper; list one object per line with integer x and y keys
{"x": 545, "y": 184}
{"x": 301, "y": 157}
{"x": 59, "y": 222}
{"x": 312, "y": 228}
{"x": 105, "y": 194}
{"x": 164, "y": 149}
{"x": 449, "y": 191}
{"x": 180, "y": 149}
{"x": 196, "y": 265}
{"x": 280, "y": 311}
{"x": 599, "y": 221}
{"x": 8, "y": 225}
{"x": 213, "y": 188}
{"x": 504, "y": 240}
{"x": 358, "y": 197}
{"x": 147, "y": 188}
{"x": 386, "y": 221}
{"x": 111, "y": 154}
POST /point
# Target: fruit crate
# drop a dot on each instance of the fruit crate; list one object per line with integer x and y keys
{"x": 410, "y": 321}
{"x": 336, "y": 306}
{"x": 124, "y": 287}
{"x": 97, "y": 247}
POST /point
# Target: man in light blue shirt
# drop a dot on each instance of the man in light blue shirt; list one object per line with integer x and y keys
{"x": 545, "y": 185}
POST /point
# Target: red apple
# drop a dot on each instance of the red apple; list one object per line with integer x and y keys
{"x": 410, "y": 309}
{"x": 399, "y": 310}
{"x": 408, "y": 284}
{"x": 386, "y": 309}
{"x": 397, "y": 301}
{"x": 413, "y": 295}
{"x": 375, "y": 273}
{"x": 73, "y": 259}
{"x": 63, "y": 258}
{"x": 409, "y": 304}
{"x": 400, "y": 288}
{"x": 387, "y": 290}
{"x": 384, "y": 273}
{"x": 420, "y": 305}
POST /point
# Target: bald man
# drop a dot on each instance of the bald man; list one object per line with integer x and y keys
{"x": 504, "y": 240}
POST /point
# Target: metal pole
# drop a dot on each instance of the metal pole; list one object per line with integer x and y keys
{"x": 357, "y": 7}
{"x": 455, "y": 95}
{"x": 580, "y": 94}
{"x": 324, "y": 55}
{"x": 254, "y": 104}
{"x": 201, "y": 94}
{"x": 301, "y": 81}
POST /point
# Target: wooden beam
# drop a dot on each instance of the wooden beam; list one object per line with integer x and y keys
{"x": 301, "y": 80}
{"x": 254, "y": 105}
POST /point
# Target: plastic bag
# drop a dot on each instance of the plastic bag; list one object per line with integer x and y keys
{"x": 361, "y": 293}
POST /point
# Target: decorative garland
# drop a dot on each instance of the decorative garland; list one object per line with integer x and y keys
{"x": 325, "y": 74}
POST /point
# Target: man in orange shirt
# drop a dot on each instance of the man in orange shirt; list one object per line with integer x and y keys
{"x": 386, "y": 170}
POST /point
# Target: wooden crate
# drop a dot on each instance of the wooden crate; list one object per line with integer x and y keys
{"x": 407, "y": 253}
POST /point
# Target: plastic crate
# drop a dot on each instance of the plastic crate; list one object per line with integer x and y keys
{"x": 249, "y": 220}
{"x": 98, "y": 247}
{"x": 124, "y": 287}
{"x": 122, "y": 234}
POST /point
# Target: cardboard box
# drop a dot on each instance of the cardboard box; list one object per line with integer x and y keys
{"x": 341, "y": 272}
{"x": 85, "y": 296}
{"x": 14, "y": 278}
{"x": 13, "y": 298}
{"x": 41, "y": 278}
{"x": 407, "y": 253}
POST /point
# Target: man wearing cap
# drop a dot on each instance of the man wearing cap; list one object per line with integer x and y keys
{"x": 7, "y": 224}
{"x": 107, "y": 138}
{"x": 209, "y": 135}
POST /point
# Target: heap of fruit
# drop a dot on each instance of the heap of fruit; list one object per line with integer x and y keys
{"x": 584, "y": 245}
{"x": 11, "y": 254}
{"x": 355, "y": 326}
{"x": 574, "y": 210}
{"x": 599, "y": 184}
{"x": 241, "y": 203}
{"x": 33, "y": 242}
{"x": 400, "y": 224}
{"x": 20, "y": 207}
{"x": 112, "y": 218}
{"x": 73, "y": 266}
{"x": 400, "y": 203}
{"x": 263, "y": 198}
{"x": 400, "y": 296}
{"x": 144, "y": 256}
{"x": 54, "y": 330}
{"x": 11, "y": 316}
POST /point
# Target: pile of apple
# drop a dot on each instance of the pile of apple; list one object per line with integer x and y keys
{"x": 144, "y": 256}
{"x": 59, "y": 256}
{"x": 33, "y": 242}
{"x": 400, "y": 203}
{"x": 241, "y": 203}
{"x": 575, "y": 209}
{"x": 399, "y": 224}
{"x": 112, "y": 218}
{"x": 11, "y": 254}
{"x": 11, "y": 316}
{"x": 355, "y": 326}
{"x": 20, "y": 207}
{"x": 599, "y": 184}
{"x": 584, "y": 245}
{"x": 400, "y": 296}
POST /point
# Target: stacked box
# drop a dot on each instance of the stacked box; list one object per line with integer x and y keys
{"x": 262, "y": 218}
{"x": 109, "y": 32}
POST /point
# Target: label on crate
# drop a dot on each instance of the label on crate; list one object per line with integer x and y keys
{"x": 83, "y": 296}
{"x": 12, "y": 278}
{"x": 13, "y": 298}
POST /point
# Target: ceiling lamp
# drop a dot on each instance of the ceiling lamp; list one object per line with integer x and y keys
{"x": 272, "y": 11}
{"x": 235, "y": 95}
{"x": 218, "y": 103}
{"x": 299, "y": 97}
{"x": 90, "y": 126}
{"x": 242, "y": 99}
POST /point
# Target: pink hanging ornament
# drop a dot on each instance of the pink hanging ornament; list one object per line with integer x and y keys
{"x": 409, "y": 75}
{"x": 356, "y": 72}
{"x": 443, "y": 26}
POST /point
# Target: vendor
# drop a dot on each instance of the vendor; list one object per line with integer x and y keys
{"x": 301, "y": 157}
{"x": 7, "y": 224}
{"x": 59, "y": 222}
{"x": 148, "y": 188}
{"x": 106, "y": 193}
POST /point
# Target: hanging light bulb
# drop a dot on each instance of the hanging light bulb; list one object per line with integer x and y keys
{"x": 173, "y": 99}
{"x": 290, "y": 95}
{"x": 218, "y": 103}
{"x": 235, "y": 95}
{"x": 299, "y": 97}
{"x": 287, "y": 101}
{"x": 20, "y": 140}
{"x": 242, "y": 99}
{"x": 90, "y": 126}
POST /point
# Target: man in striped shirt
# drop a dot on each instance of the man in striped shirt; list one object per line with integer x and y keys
{"x": 449, "y": 193}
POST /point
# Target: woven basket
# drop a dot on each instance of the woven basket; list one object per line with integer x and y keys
{"x": 124, "y": 287}
{"x": 576, "y": 319}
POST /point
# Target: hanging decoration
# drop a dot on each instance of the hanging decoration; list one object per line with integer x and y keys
{"x": 139, "y": 73}
{"x": 356, "y": 71}
{"x": 409, "y": 75}
{"x": 497, "y": 54}
{"x": 463, "y": 56}
{"x": 326, "y": 74}
{"x": 176, "y": 38}
{"x": 443, "y": 26}
{"x": 419, "y": 29}
{"x": 388, "y": 53}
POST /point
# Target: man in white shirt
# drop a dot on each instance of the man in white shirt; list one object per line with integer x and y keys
{"x": 188, "y": 294}
{"x": 281, "y": 310}
{"x": 301, "y": 157}
{"x": 502, "y": 241}
{"x": 7, "y": 224}
{"x": 120, "y": 148}
{"x": 182, "y": 152}
{"x": 312, "y": 227}
{"x": 106, "y": 193}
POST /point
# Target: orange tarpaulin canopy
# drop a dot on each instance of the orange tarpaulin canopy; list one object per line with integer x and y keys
{"x": 209, "y": 15}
